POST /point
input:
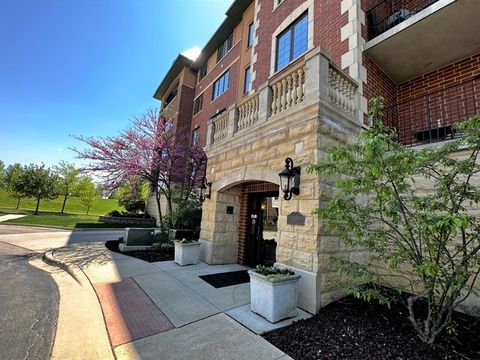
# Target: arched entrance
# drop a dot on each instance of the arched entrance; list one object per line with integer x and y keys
{"x": 229, "y": 234}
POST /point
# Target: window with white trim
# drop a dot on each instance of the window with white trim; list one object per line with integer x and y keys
{"x": 292, "y": 42}
{"x": 247, "y": 84}
{"x": 251, "y": 33}
{"x": 221, "y": 85}
{"x": 196, "y": 136}
{"x": 198, "y": 104}
{"x": 202, "y": 72}
{"x": 224, "y": 48}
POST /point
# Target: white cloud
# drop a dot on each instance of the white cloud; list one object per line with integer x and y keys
{"x": 192, "y": 53}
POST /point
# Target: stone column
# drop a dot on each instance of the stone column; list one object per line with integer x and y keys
{"x": 264, "y": 102}
{"x": 209, "y": 141}
{"x": 232, "y": 120}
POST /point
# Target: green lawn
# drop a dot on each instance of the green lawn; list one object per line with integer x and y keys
{"x": 63, "y": 221}
{"x": 102, "y": 206}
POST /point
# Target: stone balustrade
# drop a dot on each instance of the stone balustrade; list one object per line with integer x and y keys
{"x": 247, "y": 113}
{"x": 315, "y": 80}
{"x": 289, "y": 90}
{"x": 341, "y": 91}
{"x": 220, "y": 127}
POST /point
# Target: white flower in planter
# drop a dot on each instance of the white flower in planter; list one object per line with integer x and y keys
{"x": 187, "y": 252}
{"x": 273, "y": 293}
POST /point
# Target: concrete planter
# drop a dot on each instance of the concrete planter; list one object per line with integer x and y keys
{"x": 273, "y": 298}
{"x": 187, "y": 254}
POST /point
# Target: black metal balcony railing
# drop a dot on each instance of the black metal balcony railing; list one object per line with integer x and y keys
{"x": 387, "y": 13}
{"x": 432, "y": 117}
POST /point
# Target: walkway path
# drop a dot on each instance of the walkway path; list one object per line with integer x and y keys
{"x": 10, "y": 217}
{"x": 164, "y": 311}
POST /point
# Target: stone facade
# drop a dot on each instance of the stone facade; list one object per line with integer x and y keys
{"x": 318, "y": 100}
{"x": 257, "y": 153}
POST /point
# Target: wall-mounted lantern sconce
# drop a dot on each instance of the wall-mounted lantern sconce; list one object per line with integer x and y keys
{"x": 290, "y": 179}
{"x": 203, "y": 190}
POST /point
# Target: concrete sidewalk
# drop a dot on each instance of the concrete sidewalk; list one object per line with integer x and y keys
{"x": 164, "y": 311}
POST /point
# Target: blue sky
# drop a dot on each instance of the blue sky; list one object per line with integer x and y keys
{"x": 85, "y": 67}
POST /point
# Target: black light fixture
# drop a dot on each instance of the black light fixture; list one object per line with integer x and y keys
{"x": 203, "y": 188}
{"x": 290, "y": 179}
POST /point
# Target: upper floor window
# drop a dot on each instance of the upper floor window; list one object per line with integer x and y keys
{"x": 171, "y": 96}
{"x": 247, "y": 85}
{"x": 198, "y": 104}
{"x": 292, "y": 42}
{"x": 224, "y": 48}
{"x": 221, "y": 85}
{"x": 251, "y": 33}
{"x": 196, "y": 136}
{"x": 202, "y": 72}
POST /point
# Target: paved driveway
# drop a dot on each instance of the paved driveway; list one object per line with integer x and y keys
{"x": 41, "y": 239}
{"x": 28, "y": 307}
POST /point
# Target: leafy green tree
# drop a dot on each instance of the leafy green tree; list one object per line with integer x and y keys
{"x": 133, "y": 194}
{"x": 67, "y": 182}
{"x": 37, "y": 182}
{"x": 87, "y": 192}
{"x": 13, "y": 174}
{"x": 378, "y": 206}
{"x": 2, "y": 174}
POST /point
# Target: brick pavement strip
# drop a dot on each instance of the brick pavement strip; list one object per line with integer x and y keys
{"x": 129, "y": 313}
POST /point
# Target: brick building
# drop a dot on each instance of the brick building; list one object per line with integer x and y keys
{"x": 288, "y": 78}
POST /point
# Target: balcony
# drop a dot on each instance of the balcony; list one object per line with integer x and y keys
{"x": 312, "y": 81}
{"x": 432, "y": 118}
{"x": 408, "y": 38}
{"x": 170, "y": 110}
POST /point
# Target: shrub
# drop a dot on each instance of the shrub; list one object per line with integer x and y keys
{"x": 376, "y": 206}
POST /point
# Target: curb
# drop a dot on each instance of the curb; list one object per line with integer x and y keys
{"x": 50, "y": 259}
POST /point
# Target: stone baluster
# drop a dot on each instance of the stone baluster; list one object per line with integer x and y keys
{"x": 301, "y": 81}
{"x": 274, "y": 99}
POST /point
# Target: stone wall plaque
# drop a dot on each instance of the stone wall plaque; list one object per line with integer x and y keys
{"x": 296, "y": 218}
{"x": 229, "y": 209}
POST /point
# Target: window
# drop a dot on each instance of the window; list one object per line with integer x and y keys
{"x": 224, "y": 48}
{"x": 198, "y": 104}
{"x": 247, "y": 86}
{"x": 171, "y": 96}
{"x": 251, "y": 33}
{"x": 292, "y": 42}
{"x": 202, "y": 72}
{"x": 196, "y": 136}
{"x": 221, "y": 85}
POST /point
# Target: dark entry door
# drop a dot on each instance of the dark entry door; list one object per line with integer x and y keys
{"x": 254, "y": 229}
{"x": 255, "y": 246}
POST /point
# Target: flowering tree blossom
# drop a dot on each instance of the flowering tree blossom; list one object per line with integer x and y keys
{"x": 149, "y": 149}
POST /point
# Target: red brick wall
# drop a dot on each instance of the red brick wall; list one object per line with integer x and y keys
{"x": 223, "y": 101}
{"x": 242, "y": 229}
{"x": 440, "y": 98}
{"x": 452, "y": 74}
{"x": 185, "y": 106}
{"x": 328, "y": 23}
{"x": 379, "y": 84}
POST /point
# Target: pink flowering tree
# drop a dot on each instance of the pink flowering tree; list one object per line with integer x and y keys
{"x": 151, "y": 150}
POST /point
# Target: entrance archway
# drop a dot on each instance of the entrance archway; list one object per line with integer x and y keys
{"x": 257, "y": 229}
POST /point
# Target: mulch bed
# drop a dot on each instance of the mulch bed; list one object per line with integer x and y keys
{"x": 154, "y": 255}
{"x": 353, "y": 329}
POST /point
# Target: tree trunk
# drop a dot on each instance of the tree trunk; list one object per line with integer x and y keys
{"x": 18, "y": 203}
{"x": 170, "y": 211}
{"x": 88, "y": 209}
{"x": 36, "y": 209}
{"x": 64, "y": 202}
{"x": 159, "y": 207}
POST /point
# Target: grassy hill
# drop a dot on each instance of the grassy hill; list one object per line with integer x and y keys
{"x": 102, "y": 206}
